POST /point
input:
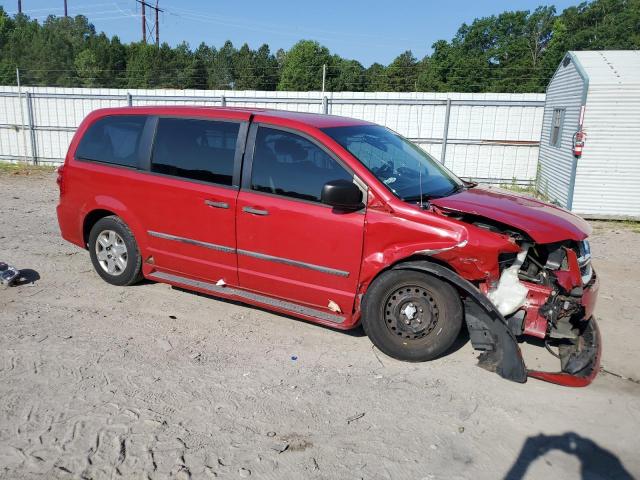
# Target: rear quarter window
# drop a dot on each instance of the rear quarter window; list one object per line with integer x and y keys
{"x": 114, "y": 139}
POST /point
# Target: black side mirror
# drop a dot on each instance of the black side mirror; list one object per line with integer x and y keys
{"x": 342, "y": 194}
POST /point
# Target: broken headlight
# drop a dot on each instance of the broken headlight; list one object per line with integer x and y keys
{"x": 584, "y": 261}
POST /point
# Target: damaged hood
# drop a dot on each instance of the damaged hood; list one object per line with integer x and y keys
{"x": 543, "y": 222}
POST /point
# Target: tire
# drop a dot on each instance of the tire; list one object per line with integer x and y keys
{"x": 431, "y": 306}
{"x": 114, "y": 252}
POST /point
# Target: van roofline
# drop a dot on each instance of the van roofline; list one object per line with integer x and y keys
{"x": 317, "y": 120}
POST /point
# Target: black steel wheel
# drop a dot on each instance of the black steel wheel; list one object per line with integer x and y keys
{"x": 411, "y": 315}
{"x": 411, "y": 312}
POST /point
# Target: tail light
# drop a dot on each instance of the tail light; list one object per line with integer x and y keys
{"x": 59, "y": 179}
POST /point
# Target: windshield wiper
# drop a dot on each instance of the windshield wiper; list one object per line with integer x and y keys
{"x": 417, "y": 198}
{"x": 425, "y": 197}
{"x": 454, "y": 190}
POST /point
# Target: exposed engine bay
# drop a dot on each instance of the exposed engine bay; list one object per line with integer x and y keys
{"x": 545, "y": 291}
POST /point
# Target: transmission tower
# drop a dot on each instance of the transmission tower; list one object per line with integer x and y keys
{"x": 156, "y": 28}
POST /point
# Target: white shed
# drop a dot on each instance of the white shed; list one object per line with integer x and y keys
{"x": 597, "y": 92}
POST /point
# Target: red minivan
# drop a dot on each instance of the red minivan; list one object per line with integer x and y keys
{"x": 336, "y": 221}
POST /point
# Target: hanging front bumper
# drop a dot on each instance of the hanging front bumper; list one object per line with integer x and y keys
{"x": 580, "y": 362}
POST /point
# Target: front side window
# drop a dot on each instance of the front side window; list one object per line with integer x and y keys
{"x": 114, "y": 139}
{"x": 407, "y": 170}
{"x": 196, "y": 149}
{"x": 287, "y": 164}
{"x": 556, "y": 127}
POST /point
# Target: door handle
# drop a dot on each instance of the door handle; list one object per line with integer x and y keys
{"x": 211, "y": 203}
{"x": 255, "y": 211}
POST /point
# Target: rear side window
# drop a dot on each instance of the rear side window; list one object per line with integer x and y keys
{"x": 290, "y": 165}
{"x": 114, "y": 139}
{"x": 195, "y": 149}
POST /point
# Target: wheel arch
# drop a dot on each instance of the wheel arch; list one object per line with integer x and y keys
{"x": 91, "y": 219}
{"x": 487, "y": 327}
{"x": 104, "y": 206}
{"x": 398, "y": 264}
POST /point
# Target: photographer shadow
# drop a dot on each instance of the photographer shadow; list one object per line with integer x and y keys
{"x": 596, "y": 462}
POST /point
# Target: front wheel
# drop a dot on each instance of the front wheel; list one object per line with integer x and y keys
{"x": 411, "y": 315}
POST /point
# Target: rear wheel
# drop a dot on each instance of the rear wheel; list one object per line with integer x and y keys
{"x": 114, "y": 252}
{"x": 411, "y": 315}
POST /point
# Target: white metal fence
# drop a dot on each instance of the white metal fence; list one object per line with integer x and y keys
{"x": 491, "y": 137}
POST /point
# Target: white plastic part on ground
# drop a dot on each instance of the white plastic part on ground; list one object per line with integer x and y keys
{"x": 510, "y": 294}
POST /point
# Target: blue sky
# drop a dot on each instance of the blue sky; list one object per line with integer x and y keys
{"x": 368, "y": 31}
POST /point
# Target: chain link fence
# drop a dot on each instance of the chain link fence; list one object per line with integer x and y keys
{"x": 492, "y": 138}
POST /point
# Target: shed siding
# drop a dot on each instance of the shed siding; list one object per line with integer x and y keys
{"x": 566, "y": 91}
{"x": 608, "y": 174}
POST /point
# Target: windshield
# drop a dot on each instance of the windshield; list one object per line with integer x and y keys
{"x": 407, "y": 170}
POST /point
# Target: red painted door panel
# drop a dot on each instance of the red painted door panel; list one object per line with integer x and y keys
{"x": 298, "y": 250}
{"x": 190, "y": 227}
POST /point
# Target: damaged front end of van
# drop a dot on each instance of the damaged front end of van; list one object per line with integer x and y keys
{"x": 539, "y": 284}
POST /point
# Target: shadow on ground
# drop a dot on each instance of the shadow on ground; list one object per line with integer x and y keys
{"x": 595, "y": 461}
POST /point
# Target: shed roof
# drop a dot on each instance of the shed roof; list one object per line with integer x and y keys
{"x": 609, "y": 67}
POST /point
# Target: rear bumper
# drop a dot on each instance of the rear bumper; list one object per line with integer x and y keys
{"x": 580, "y": 363}
{"x": 68, "y": 223}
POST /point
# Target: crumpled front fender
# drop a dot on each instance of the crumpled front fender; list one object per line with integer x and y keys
{"x": 487, "y": 327}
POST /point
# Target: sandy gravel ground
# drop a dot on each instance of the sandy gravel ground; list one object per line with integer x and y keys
{"x": 152, "y": 382}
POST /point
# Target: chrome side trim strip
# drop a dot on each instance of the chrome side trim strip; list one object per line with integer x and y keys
{"x": 256, "y": 297}
{"x": 190, "y": 241}
{"x": 295, "y": 263}
{"x": 247, "y": 253}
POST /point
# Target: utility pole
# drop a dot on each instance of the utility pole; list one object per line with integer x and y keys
{"x": 65, "y": 9}
{"x": 144, "y": 24}
{"x": 144, "y": 4}
{"x": 19, "y": 6}
{"x": 324, "y": 76}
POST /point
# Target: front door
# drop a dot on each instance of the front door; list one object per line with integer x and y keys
{"x": 190, "y": 197}
{"x": 290, "y": 245}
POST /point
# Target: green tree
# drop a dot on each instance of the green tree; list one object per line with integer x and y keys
{"x": 7, "y": 68}
{"x": 346, "y": 75}
{"x": 203, "y": 58}
{"x": 302, "y": 66}
{"x": 402, "y": 74}
{"x": 141, "y": 69}
{"x": 375, "y": 78}
{"x": 598, "y": 25}
{"x": 244, "y": 69}
{"x": 221, "y": 69}
{"x": 514, "y": 51}
{"x": 87, "y": 68}
{"x": 266, "y": 69}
